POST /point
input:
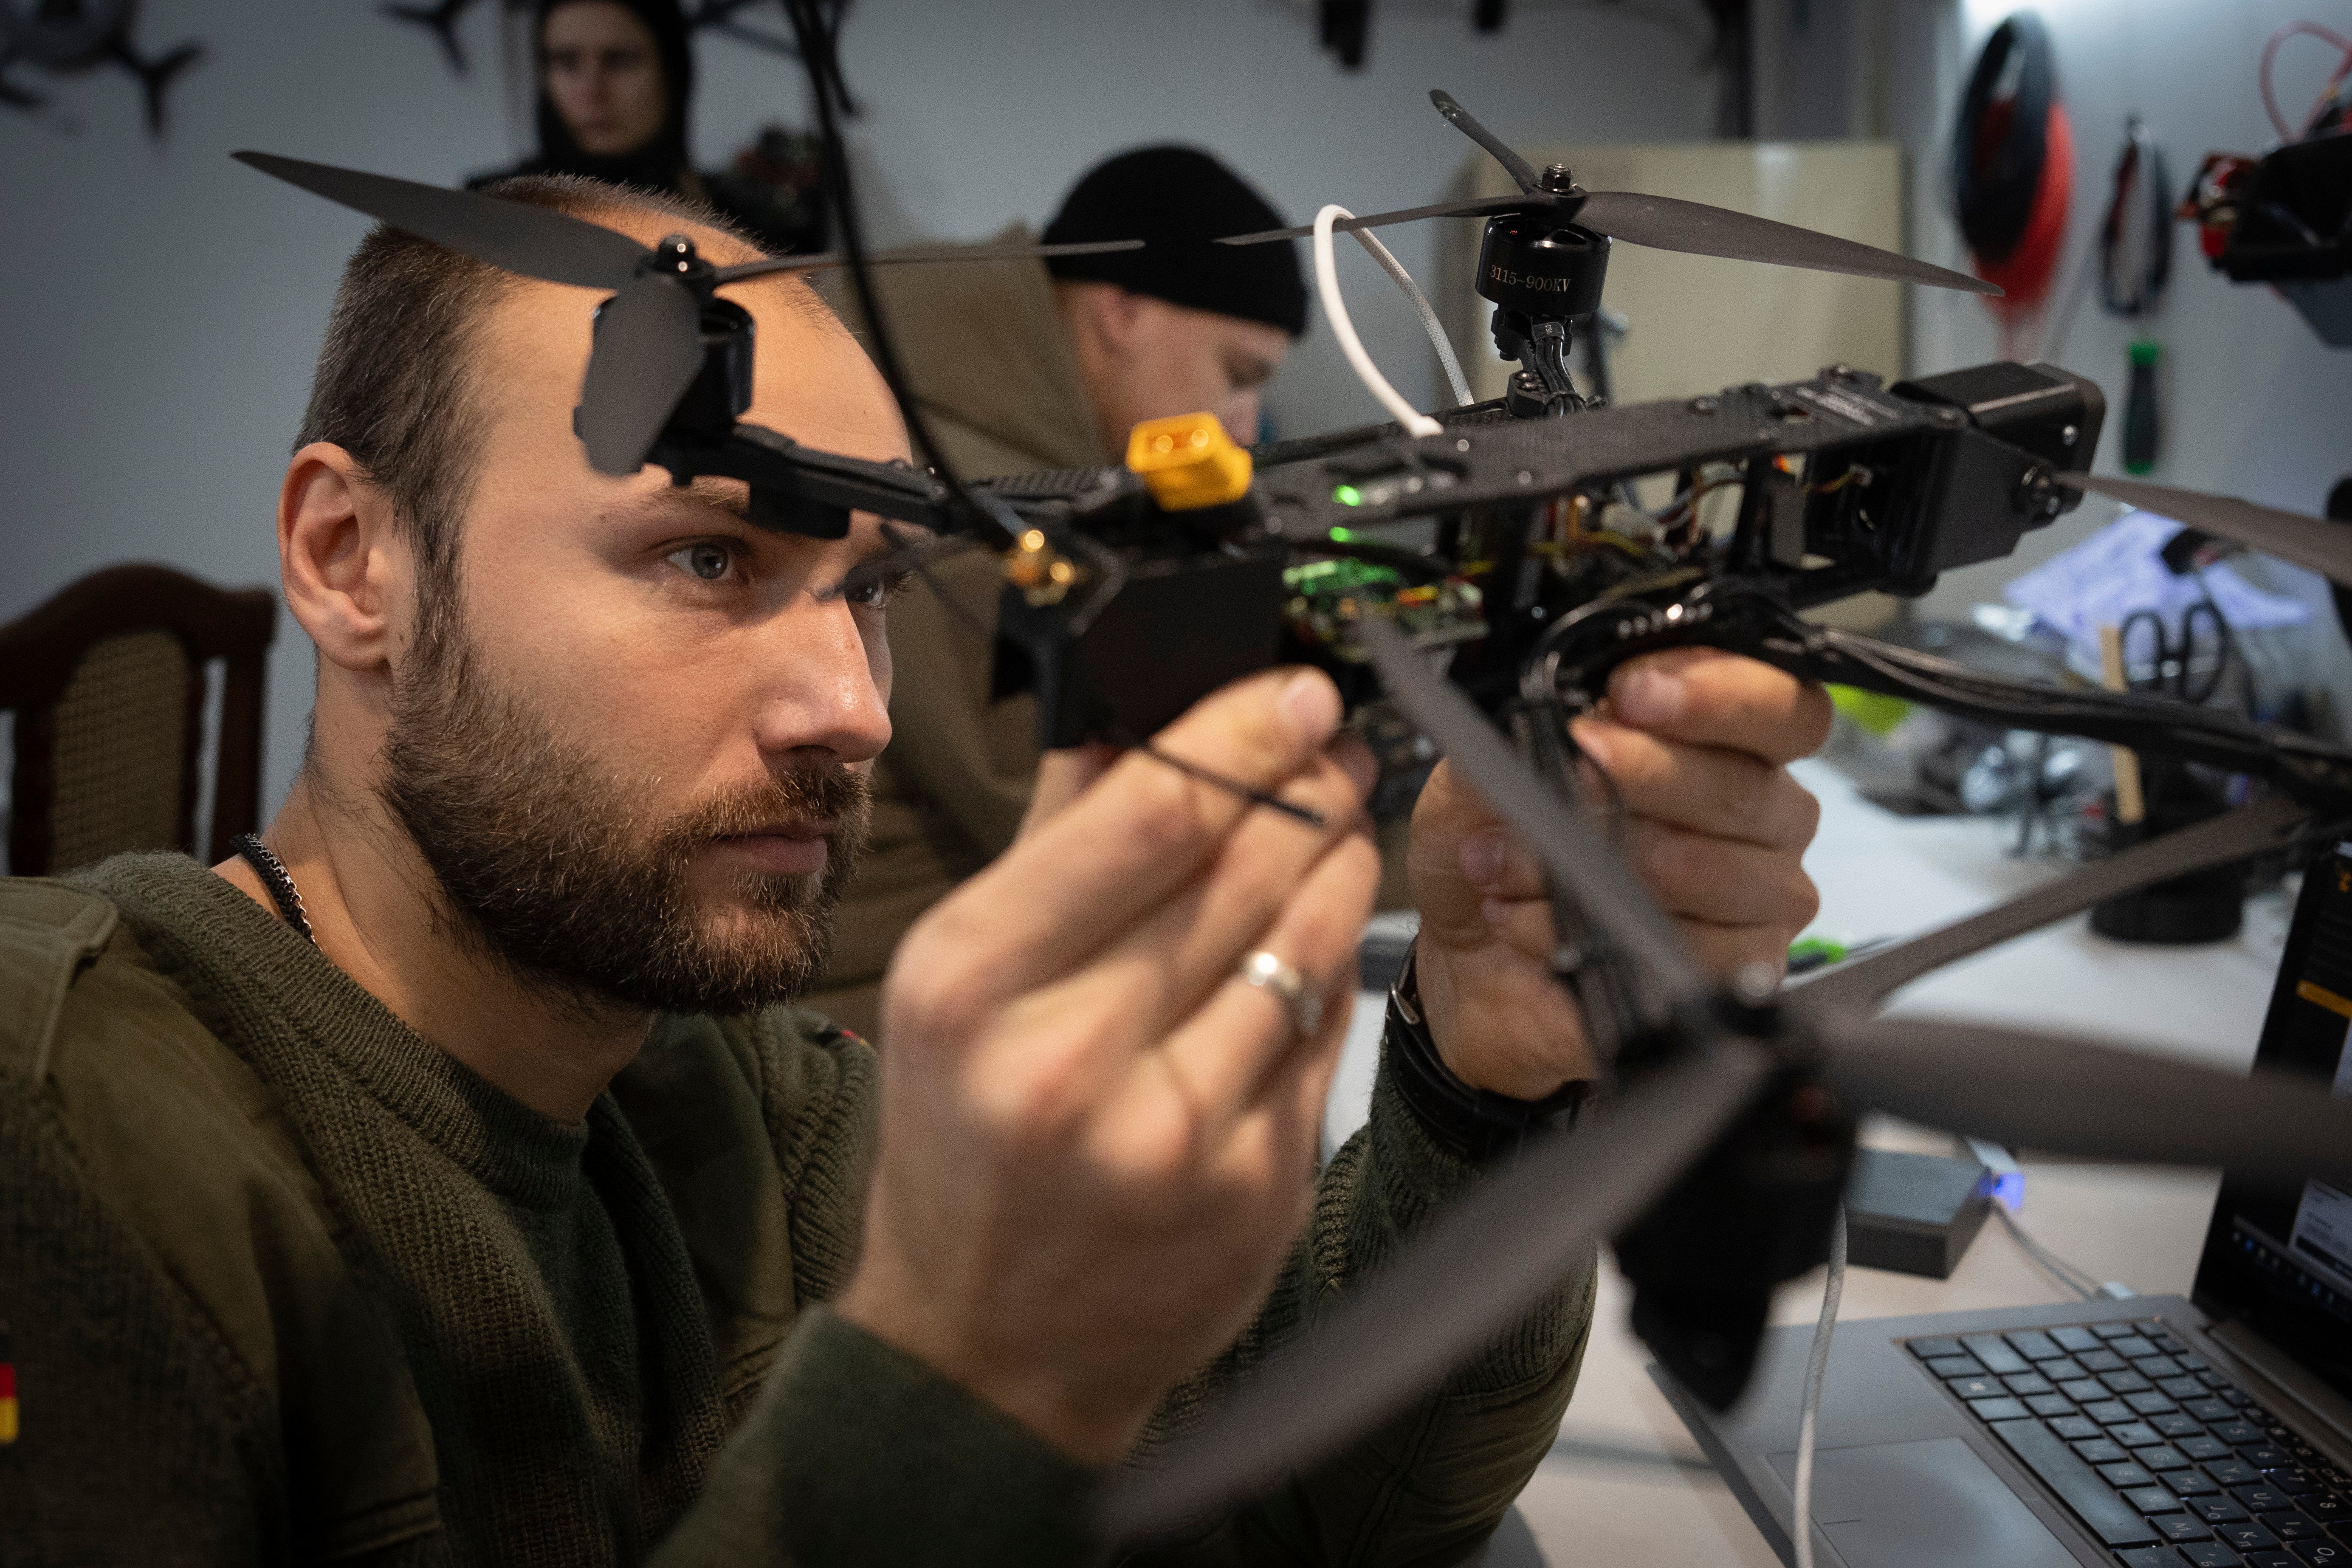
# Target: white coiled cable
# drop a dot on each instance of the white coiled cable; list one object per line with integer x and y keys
{"x": 1327, "y": 283}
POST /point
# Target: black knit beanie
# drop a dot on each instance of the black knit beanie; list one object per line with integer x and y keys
{"x": 1176, "y": 200}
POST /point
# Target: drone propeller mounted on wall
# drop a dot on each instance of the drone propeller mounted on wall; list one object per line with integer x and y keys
{"x": 69, "y": 37}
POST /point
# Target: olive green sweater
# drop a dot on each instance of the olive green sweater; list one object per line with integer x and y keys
{"x": 287, "y": 1283}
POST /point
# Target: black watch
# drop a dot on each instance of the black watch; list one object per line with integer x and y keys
{"x": 1473, "y": 1125}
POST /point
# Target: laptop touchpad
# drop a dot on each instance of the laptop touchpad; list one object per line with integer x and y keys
{"x": 1929, "y": 1504}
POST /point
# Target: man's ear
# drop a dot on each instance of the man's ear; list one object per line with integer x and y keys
{"x": 345, "y": 561}
{"x": 1116, "y": 316}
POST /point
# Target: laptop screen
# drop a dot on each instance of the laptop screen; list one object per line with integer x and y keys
{"x": 2277, "y": 1259}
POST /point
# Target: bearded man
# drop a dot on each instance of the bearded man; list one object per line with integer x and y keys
{"x": 451, "y": 1180}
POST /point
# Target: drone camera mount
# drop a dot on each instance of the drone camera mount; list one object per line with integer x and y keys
{"x": 1966, "y": 467}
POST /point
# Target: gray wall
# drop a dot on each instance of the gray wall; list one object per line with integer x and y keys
{"x": 2254, "y": 404}
{"x": 160, "y": 306}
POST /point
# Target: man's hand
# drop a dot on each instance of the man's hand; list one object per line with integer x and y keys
{"x": 1097, "y": 1140}
{"x": 1696, "y": 741}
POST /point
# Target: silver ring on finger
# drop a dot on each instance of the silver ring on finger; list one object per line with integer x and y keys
{"x": 1287, "y": 985}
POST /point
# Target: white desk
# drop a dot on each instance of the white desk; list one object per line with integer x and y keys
{"x": 1625, "y": 1484}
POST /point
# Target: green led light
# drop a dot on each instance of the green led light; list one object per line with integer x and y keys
{"x": 1344, "y": 534}
{"x": 1348, "y": 495}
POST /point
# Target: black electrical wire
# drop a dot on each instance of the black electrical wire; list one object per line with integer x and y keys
{"x": 815, "y": 24}
{"x": 2309, "y": 769}
{"x": 1748, "y": 617}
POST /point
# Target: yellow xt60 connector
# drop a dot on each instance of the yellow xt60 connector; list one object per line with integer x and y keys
{"x": 1189, "y": 461}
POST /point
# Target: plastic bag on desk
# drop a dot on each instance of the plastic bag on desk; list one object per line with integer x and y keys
{"x": 2119, "y": 570}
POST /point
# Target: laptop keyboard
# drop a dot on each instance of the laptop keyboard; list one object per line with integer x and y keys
{"x": 2162, "y": 1458}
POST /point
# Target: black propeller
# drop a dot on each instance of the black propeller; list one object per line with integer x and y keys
{"x": 1474, "y": 1271}
{"x": 1529, "y": 1225}
{"x": 1661, "y": 223}
{"x": 2308, "y": 541}
{"x": 649, "y": 345}
{"x": 2033, "y": 1090}
{"x": 647, "y": 351}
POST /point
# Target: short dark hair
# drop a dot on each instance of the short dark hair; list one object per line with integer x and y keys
{"x": 396, "y": 376}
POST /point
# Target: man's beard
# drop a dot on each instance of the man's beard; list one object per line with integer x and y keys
{"x": 547, "y": 864}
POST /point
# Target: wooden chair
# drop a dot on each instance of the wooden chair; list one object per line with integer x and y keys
{"x": 107, "y": 685}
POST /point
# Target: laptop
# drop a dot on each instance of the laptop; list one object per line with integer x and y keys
{"x": 2155, "y": 1432}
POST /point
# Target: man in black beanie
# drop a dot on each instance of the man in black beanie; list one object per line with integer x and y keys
{"x": 1025, "y": 366}
{"x": 1182, "y": 325}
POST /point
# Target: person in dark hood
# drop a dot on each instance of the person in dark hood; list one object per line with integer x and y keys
{"x": 616, "y": 83}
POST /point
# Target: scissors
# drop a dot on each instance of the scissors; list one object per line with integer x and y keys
{"x": 2188, "y": 669}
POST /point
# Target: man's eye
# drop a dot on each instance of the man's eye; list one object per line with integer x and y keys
{"x": 875, "y": 589}
{"x": 707, "y": 561}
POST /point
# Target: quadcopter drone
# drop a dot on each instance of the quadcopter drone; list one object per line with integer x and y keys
{"x": 1717, "y": 1162}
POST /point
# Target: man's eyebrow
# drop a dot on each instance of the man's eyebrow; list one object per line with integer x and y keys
{"x": 896, "y": 538}
{"x": 732, "y": 497}
{"x": 1255, "y": 367}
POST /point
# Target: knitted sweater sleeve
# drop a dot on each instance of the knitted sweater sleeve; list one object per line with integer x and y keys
{"x": 856, "y": 1453}
{"x": 1433, "y": 1480}
{"x": 853, "y": 1453}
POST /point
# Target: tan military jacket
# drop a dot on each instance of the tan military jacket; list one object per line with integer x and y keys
{"x": 986, "y": 350}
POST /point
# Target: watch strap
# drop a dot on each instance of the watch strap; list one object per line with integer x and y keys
{"x": 1473, "y": 1124}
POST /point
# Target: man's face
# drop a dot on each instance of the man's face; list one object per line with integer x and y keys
{"x": 603, "y": 75}
{"x": 1183, "y": 360}
{"x": 634, "y": 751}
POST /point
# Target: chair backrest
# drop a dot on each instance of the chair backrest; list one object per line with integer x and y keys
{"x": 106, "y": 682}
